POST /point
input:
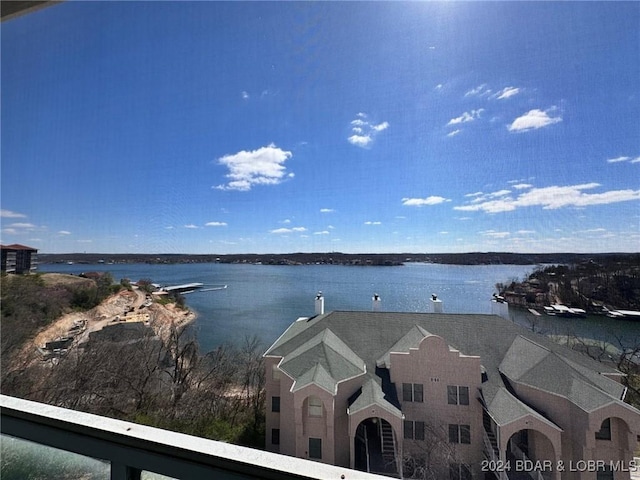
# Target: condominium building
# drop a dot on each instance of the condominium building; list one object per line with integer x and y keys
{"x": 17, "y": 258}
{"x": 448, "y": 395}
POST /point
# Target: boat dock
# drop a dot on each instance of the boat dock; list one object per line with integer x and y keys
{"x": 184, "y": 288}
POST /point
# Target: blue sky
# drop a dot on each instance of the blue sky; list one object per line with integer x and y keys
{"x": 206, "y": 127}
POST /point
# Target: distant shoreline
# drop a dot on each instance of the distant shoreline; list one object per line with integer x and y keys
{"x": 337, "y": 258}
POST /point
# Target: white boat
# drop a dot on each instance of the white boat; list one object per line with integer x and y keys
{"x": 564, "y": 311}
{"x": 626, "y": 314}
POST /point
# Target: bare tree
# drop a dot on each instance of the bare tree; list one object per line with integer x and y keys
{"x": 430, "y": 459}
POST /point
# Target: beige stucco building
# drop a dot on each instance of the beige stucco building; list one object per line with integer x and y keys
{"x": 435, "y": 395}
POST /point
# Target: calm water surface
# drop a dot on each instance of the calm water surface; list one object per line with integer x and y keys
{"x": 263, "y": 300}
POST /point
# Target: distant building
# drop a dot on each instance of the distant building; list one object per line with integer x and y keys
{"x": 17, "y": 258}
{"x": 465, "y": 396}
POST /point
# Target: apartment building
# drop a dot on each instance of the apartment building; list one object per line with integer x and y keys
{"x": 17, "y": 258}
{"x": 448, "y": 395}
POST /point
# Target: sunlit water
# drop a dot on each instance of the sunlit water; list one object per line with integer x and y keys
{"x": 263, "y": 300}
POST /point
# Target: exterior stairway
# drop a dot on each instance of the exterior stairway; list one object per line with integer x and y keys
{"x": 388, "y": 443}
{"x": 486, "y": 421}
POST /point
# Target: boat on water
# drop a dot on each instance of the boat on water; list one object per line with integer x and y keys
{"x": 559, "y": 310}
{"x": 624, "y": 314}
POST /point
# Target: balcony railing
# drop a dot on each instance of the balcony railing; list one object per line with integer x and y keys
{"x": 130, "y": 449}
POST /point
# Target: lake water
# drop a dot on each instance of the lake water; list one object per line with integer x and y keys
{"x": 263, "y": 300}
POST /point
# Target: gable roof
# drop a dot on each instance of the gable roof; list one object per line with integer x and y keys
{"x": 411, "y": 339}
{"x": 372, "y": 395}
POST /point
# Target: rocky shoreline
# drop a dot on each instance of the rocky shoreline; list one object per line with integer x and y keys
{"x": 133, "y": 309}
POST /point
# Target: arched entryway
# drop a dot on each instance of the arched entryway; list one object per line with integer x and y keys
{"x": 532, "y": 453}
{"x": 376, "y": 447}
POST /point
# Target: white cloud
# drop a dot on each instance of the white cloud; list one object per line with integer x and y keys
{"x": 466, "y": 117}
{"x": 360, "y": 140}
{"x": 421, "y": 202}
{"x": 323, "y": 232}
{"x": 264, "y": 166}
{"x": 191, "y": 226}
{"x": 9, "y": 214}
{"x": 372, "y": 223}
{"x": 380, "y": 127}
{"x": 215, "y": 224}
{"x": 364, "y": 132}
{"x": 494, "y": 234}
{"x": 507, "y": 93}
{"x": 64, "y": 232}
{"x": 551, "y": 198}
{"x": 623, "y": 159}
{"x": 534, "y": 119}
{"x": 244, "y": 95}
{"x": 479, "y": 91}
{"x": 618, "y": 159}
{"x": 454, "y": 133}
{"x": 24, "y": 226}
{"x": 288, "y": 230}
{"x": 522, "y": 186}
{"x": 327, "y": 210}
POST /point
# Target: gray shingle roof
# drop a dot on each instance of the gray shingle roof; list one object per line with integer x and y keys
{"x": 324, "y": 360}
{"x": 531, "y": 364}
{"x": 503, "y": 347}
{"x": 372, "y": 396}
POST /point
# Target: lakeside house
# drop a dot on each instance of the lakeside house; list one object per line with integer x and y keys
{"x": 17, "y": 258}
{"x": 463, "y": 396}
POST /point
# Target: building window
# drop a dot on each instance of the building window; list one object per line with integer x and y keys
{"x": 459, "y": 471}
{"x": 605, "y": 473}
{"x": 457, "y": 395}
{"x": 459, "y": 433}
{"x": 275, "y": 404}
{"x": 315, "y": 448}
{"x": 315, "y": 407}
{"x": 412, "y": 392}
{"x": 275, "y": 436}
{"x": 413, "y": 430}
{"x": 605, "y": 430}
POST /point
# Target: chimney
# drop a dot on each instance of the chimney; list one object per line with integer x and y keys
{"x": 500, "y": 307}
{"x": 319, "y": 304}
{"x": 376, "y": 302}
{"x": 436, "y": 304}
